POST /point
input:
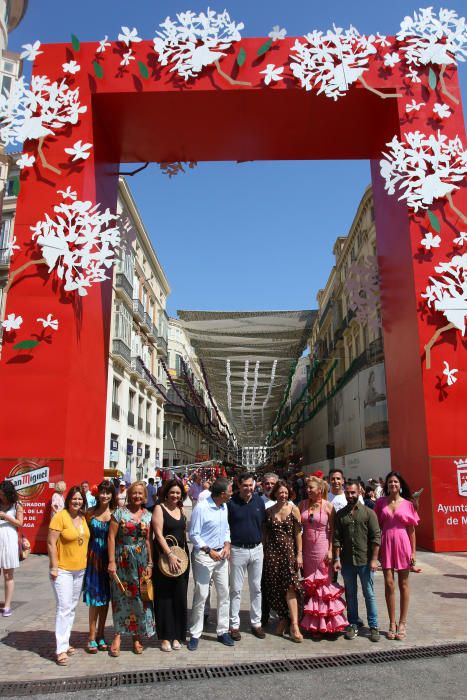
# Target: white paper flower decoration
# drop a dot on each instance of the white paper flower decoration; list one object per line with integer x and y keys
{"x": 103, "y": 45}
{"x": 12, "y": 323}
{"x": 49, "y": 322}
{"x": 450, "y": 373}
{"x": 25, "y": 161}
{"x": 31, "y": 51}
{"x": 79, "y": 150}
{"x": 129, "y": 36}
{"x": 428, "y": 38}
{"x": 78, "y": 244}
{"x": 195, "y": 41}
{"x": 442, "y": 111}
{"x": 431, "y": 241}
{"x": 461, "y": 238}
{"x": 448, "y": 292}
{"x": 414, "y": 106}
{"x": 391, "y": 59}
{"x": 424, "y": 168}
{"x": 71, "y": 67}
{"x": 277, "y": 34}
{"x": 68, "y": 193}
{"x": 413, "y": 76}
{"x": 271, "y": 73}
{"x": 127, "y": 57}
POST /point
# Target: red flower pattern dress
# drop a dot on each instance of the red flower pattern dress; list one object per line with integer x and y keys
{"x": 324, "y": 610}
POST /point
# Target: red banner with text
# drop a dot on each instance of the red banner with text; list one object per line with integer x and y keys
{"x": 449, "y": 475}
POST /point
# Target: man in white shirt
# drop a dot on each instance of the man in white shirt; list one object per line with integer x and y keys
{"x": 195, "y": 489}
{"x": 268, "y": 482}
{"x": 336, "y": 494}
{"x": 210, "y": 535}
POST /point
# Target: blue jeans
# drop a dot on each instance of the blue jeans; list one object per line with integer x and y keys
{"x": 364, "y": 573}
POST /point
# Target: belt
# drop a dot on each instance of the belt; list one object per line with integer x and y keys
{"x": 247, "y": 546}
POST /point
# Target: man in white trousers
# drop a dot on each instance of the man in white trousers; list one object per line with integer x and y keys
{"x": 247, "y": 513}
{"x": 210, "y": 535}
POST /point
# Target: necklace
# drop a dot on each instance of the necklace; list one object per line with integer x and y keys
{"x": 80, "y": 530}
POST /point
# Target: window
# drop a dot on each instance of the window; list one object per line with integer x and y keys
{"x": 115, "y": 391}
{"x": 123, "y": 323}
{"x": 131, "y": 401}
{"x": 5, "y": 240}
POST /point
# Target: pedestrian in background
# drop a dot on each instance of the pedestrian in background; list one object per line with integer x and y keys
{"x": 88, "y": 496}
{"x": 130, "y": 557}
{"x": 246, "y": 519}
{"x": 397, "y": 518}
{"x": 356, "y": 545}
{"x": 67, "y": 545}
{"x": 58, "y": 499}
{"x": 170, "y": 606}
{"x": 96, "y": 589}
{"x": 11, "y": 518}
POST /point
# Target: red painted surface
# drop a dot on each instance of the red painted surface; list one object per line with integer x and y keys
{"x": 53, "y": 398}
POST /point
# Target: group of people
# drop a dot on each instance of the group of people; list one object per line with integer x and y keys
{"x": 291, "y": 553}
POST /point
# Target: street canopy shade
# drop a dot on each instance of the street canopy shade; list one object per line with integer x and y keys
{"x": 247, "y": 356}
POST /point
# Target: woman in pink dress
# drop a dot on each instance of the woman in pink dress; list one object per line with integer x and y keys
{"x": 324, "y": 610}
{"x": 397, "y": 518}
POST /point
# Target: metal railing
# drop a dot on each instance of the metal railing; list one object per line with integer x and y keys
{"x": 147, "y": 321}
{"x": 119, "y": 347}
{"x": 138, "y": 309}
{"x": 122, "y": 282}
{"x": 162, "y": 345}
{"x": 5, "y": 255}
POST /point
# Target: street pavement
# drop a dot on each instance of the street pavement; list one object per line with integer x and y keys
{"x": 437, "y": 616}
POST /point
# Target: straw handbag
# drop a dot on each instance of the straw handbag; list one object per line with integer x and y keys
{"x": 180, "y": 553}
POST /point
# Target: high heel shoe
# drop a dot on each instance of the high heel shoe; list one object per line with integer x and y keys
{"x": 295, "y": 634}
{"x": 115, "y": 647}
{"x": 392, "y": 631}
{"x": 401, "y": 633}
{"x": 137, "y": 647}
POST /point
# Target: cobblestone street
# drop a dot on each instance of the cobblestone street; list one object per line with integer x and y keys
{"x": 437, "y": 615}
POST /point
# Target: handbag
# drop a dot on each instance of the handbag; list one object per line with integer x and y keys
{"x": 163, "y": 561}
{"x": 146, "y": 588}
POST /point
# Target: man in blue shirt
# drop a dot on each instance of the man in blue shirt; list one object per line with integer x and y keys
{"x": 247, "y": 513}
{"x": 210, "y": 535}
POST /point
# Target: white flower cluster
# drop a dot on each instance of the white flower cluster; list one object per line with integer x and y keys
{"x": 37, "y": 111}
{"x": 362, "y": 287}
{"x": 78, "y": 243}
{"x": 333, "y": 61}
{"x": 426, "y": 167}
{"x": 448, "y": 293}
{"x": 195, "y": 41}
{"x": 431, "y": 38}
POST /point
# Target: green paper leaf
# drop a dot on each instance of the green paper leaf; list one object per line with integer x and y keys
{"x": 75, "y": 42}
{"x": 98, "y": 70}
{"x": 434, "y": 222}
{"x": 265, "y": 47}
{"x": 25, "y": 345}
{"x": 241, "y": 58}
{"x": 16, "y": 186}
{"x": 143, "y": 69}
{"x": 432, "y": 79}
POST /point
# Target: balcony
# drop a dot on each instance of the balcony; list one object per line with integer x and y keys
{"x": 5, "y": 255}
{"x": 152, "y": 333}
{"x": 146, "y": 322}
{"x": 122, "y": 284}
{"x": 137, "y": 367}
{"x": 121, "y": 349}
{"x": 162, "y": 345}
{"x": 115, "y": 411}
{"x": 131, "y": 419}
{"x": 138, "y": 310}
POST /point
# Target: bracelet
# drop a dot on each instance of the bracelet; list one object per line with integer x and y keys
{"x": 337, "y": 558}
{"x": 171, "y": 554}
{"x": 150, "y": 565}
{"x": 54, "y": 568}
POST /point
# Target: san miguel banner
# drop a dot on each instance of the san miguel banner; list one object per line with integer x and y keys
{"x": 34, "y": 480}
{"x": 449, "y": 476}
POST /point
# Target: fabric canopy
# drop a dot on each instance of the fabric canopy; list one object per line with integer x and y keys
{"x": 247, "y": 356}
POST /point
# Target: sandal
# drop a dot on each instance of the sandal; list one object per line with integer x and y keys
{"x": 92, "y": 647}
{"x": 176, "y": 645}
{"x": 165, "y": 645}
{"x": 401, "y": 633}
{"x": 71, "y": 651}
{"x": 392, "y": 631}
{"x": 296, "y": 636}
{"x": 137, "y": 647}
{"x": 102, "y": 645}
{"x": 115, "y": 647}
{"x": 62, "y": 659}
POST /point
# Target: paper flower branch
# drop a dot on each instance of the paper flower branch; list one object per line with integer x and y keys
{"x": 196, "y": 41}
{"x": 37, "y": 111}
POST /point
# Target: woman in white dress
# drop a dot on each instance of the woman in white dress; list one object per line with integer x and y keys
{"x": 11, "y": 518}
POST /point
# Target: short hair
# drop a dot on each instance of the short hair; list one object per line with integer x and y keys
{"x": 352, "y": 482}
{"x": 220, "y": 486}
{"x": 85, "y": 482}
{"x": 74, "y": 490}
{"x": 270, "y": 475}
{"x": 334, "y": 471}
{"x": 60, "y": 486}
{"x": 244, "y": 476}
{"x": 133, "y": 486}
{"x": 151, "y": 480}
{"x": 9, "y": 492}
{"x": 106, "y": 486}
{"x": 281, "y": 483}
{"x": 321, "y": 484}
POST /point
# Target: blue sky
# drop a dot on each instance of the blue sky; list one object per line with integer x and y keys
{"x": 225, "y": 236}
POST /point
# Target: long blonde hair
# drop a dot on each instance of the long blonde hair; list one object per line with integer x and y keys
{"x": 322, "y": 485}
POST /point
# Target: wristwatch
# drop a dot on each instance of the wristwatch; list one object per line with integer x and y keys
{"x": 206, "y": 550}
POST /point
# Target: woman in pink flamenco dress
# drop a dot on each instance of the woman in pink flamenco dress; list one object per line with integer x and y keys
{"x": 397, "y": 518}
{"x": 324, "y": 612}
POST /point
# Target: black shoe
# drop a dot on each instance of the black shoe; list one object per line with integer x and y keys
{"x": 351, "y": 632}
{"x": 258, "y": 632}
{"x": 235, "y": 634}
{"x": 374, "y": 634}
{"x": 226, "y": 639}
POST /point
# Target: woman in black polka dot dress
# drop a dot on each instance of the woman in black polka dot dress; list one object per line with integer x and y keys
{"x": 283, "y": 559}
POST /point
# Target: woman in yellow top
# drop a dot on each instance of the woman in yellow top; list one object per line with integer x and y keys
{"x": 68, "y": 547}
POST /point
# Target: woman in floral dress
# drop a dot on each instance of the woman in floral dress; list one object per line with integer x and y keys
{"x": 130, "y": 556}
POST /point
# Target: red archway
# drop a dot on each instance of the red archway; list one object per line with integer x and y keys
{"x": 53, "y": 393}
